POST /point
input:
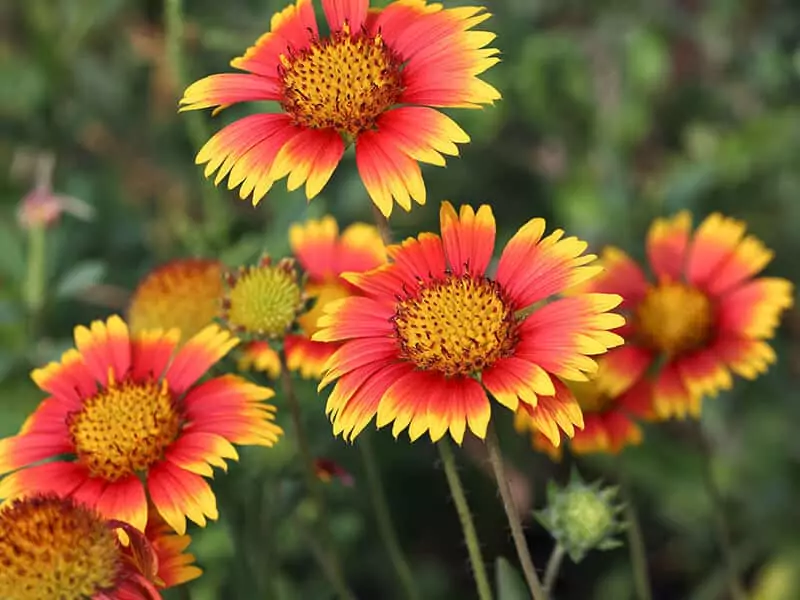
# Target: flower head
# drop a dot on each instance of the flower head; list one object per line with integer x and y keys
{"x": 263, "y": 301}
{"x": 327, "y": 470}
{"x": 130, "y": 415}
{"x": 582, "y": 517}
{"x": 705, "y": 315}
{"x": 183, "y": 294}
{"x": 608, "y": 420}
{"x": 52, "y": 547}
{"x": 373, "y": 81}
{"x": 433, "y": 332}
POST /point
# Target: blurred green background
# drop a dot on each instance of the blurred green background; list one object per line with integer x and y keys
{"x": 614, "y": 112}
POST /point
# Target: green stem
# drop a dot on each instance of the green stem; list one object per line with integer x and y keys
{"x": 721, "y": 526}
{"x": 215, "y": 214}
{"x": 553, "y": 566}
{"x": 383, "y": 516}
{"x": 329, "y": 560}
{"x": 525, "y": 559}
{"x": 464, "y": 515}
{"x": 636, "y": 546}
{"x": 36, "y": 275}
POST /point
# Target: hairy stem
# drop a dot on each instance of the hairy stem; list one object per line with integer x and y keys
{"x": 525, "y": 559}
{"x": 465, "y": 516}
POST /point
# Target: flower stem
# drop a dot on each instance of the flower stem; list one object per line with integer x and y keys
{"x": 383, "y": 516}
{"x": 528, "y": 568}
{"x": 721, "y": 526}
{"x": 553, "y": 566}
{"x": 328, "y": 559}
{"x": 636, "y": 546}
{"x": 464, "y": 515}
{"x": 382, "y": 223}
{"x": 216, "y": 216}
{"x": 36, "y": 276}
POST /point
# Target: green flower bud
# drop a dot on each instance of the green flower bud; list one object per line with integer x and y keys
{"x": 582, "y": 517}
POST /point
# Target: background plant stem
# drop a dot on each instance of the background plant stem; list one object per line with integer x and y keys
{"x": 383, "y": 516}
{"x": 525, "y": 559}
{"x": 636, "y": 546}
{"x": 553, "y": 566}
{"x": 216, "y": 217}
{"x": 464, "y": 515}
{"x": 327, "y": 557}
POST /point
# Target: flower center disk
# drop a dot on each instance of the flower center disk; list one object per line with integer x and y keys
{"x": 264, "y": 300}
{"x": 125, "y": 428}
{"x": 53, "y": 548}
{"x": 342, "y": 82}
{"x": 674, "y": 318}
{"x": 457, "y": 326}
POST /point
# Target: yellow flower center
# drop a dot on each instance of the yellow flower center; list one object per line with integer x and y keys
{"x": 52, "y": 548}
{"x": 457, "y": 325}
{"x": 341, "y": 82}
{"x": 125, "y": 428}
{"x": 674, "y": 318}
{"x": 184, "y": 293}
{"x": 322, "y": 293}
{"x": 264, "y": 300}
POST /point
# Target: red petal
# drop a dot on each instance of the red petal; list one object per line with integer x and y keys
{"x": 417, "y": 259}
{"x": 339, "y": 12}
{"x": 22, "y": 450}
{"x": 178, "y": 494}
{"x": 714, "y": 243}
{"x": 311, "y": 157}
{"x": 354, "y": 317}
{"x": 151, "y": 353}
{"x": 357, "y": 353}
{"x": 125, "y": 501}
{"x": 671, "y": 398}
{"x": 513, "y": 379}
{"x": 197, "y": 356}
{"x": 620, "y": 275}
{"x": 666, "y": 246}
{"x": 230, "y": 88}
{"x": 468, "y": 238}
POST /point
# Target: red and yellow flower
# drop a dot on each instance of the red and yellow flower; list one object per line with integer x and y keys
{"x": 184, "y": 294}
{"x": 705, "y": 315}
{"x": 53, "y": 547}
{"x": 609, "y": 422}
{"x": 376, "y": 80}
{"x": 324, "y": 255}
{"x": 433, "y": 333}
{"x": 135, "y": 422}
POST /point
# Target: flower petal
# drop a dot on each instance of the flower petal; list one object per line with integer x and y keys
{"x": 245, "y": 152}
{"x": 671, "y": 397}
{"x": 259, "y": 356}
{"x": 714, "y": 243}
{"x": 422, "y": 133}
{"x": 754, "y": 309}
{"x": 745, "y": 357}
{"x": 468, "y": 238}
{"x": 418, "y": 259}
{"x": 125, "y": 501}
{"x": 59, "y": 477}
{"x": 353, "y": 317}
{"x": 229, "y": 88}
{"x": 197, "y": 452}
{"x": 666, "y": 246}
{"x": 532, "y": 269}
{"x": 355, "y": 354}
{"x": 306, "y": 356}
{"x": 313, "y": 243}
{"x": 621, "y": 367}
{"x": 387, "y": 172}
{"x": 360, "y": 249}
{"x": 70, "y": 380}
{"x": 620, "y": 275}
{"x": 561, "y": 335}
{"x": 553, "y": 414}
{"x": 310, "y": 157}
{"x": 22, "y": 450}
{"x": 178, "y": 494}
{"x": 151, "y": 352}
{"x": 106, "y": 348}
{"x": 513, "y": 379}
{"x": 197, "y": 356}
{"x": 341, "y": 12}
{"x": 292, "y": 28}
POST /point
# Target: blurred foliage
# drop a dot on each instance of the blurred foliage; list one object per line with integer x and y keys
{"x": 614, "y": 112}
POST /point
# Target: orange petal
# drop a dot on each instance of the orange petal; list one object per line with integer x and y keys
{"x": 513, "y": 379}
{"x": 105, "y": 347}
{"x": 553, "y": 414}
{"x": 310, "y": 157}
{"x": 229, "y": 88}
{"x": 179, "y": 494}
{"x": 124, "y": 500}
{"x": 307, "y": 357}
{"x": 197, "y": 356}
{"x": 353, "y": 317}
{"x": 671, "y": 397}
{"x": 714, "y": 243}
{"x": 620, "y": 275}
{"x": 468, "y": 238}
{"x": 667, "y": 241}
{"x": 754, "y": 309}
{"x": 151, "y": 352}
{"x": 22, "y": 450}
{"x": 339, "y": 13}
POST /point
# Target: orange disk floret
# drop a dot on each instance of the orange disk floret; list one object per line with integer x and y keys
{"x": 183, "y": 294}
{"x": 376, "y": 80}
{"x": 53, "y": 547}
{"x": 705, "y": 314}
{"x": 432, "y": 332}
{"x": 136, "y": 424}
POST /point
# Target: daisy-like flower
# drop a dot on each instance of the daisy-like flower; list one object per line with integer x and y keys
{"x": 376, "y": 79}
{"x": 52, "y": 547}
{"x": 704, "y": 316}
{"x": 324, "y": 255}
{"x": 129, "y": 412}
{"x": 433, "y": 332}
{"x": 609, "y": 422}
{"x": 184, "y": 294}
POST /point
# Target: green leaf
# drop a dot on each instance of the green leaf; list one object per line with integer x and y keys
{"x": 510, "y": 585}
{"x": 79, "y": 278}
{"x": 12, "y": 256}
